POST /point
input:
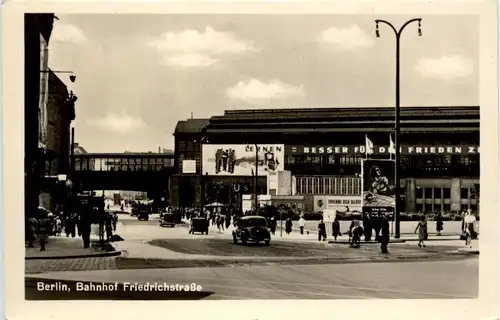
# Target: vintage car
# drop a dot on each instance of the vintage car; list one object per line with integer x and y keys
{"x": 252, "y": 229}
{"x": 143, "y": 216}
{"x": 199, "y": 224}
{"x": 167, "y": 219}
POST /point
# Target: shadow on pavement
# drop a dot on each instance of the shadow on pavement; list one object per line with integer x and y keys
{"x": 32, "y": 292}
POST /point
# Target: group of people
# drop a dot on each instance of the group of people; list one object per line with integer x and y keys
{"x": 46, "y": 224}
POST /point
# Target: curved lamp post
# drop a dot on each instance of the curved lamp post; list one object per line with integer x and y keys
{"x": 397, "y": 131}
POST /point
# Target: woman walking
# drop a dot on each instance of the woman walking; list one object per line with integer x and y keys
{"x": 335, "y": 228}
{"x": 468, "y": 228}
{"x": 422, "y": 231}
{"x": 439, "y": 224}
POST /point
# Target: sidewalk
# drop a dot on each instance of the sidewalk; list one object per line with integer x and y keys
{"x": 60, "y": 247}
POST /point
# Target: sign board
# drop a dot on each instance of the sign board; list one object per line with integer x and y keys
{"x": 188, "y": 166}
{"x": 377, "y": 189}
{"x": 240, "y": 159}
{"x": 337, "y": 203}
{"x": 384, "y": 150}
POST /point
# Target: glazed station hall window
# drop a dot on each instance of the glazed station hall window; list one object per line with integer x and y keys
{"x": 419, "y": 207}
{"x": 428, "y": 207}
{"x": 446, "y": 193}
{"x": 437, "y": 193}
{"x": 446, "y": 208}
{"x": 428, "y": 193}
{"x": 464, "y": 193}
{"x": 420, "y": 193}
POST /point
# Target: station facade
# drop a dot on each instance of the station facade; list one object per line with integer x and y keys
{"x": 311, "y": 158}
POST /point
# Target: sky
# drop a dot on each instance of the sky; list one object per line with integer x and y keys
{"x": 138, "y": 75}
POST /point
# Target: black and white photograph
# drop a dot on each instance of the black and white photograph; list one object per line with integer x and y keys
{"x": 295, "y": 156}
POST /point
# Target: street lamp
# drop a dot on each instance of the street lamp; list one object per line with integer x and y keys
{"x": 397, "y": 131}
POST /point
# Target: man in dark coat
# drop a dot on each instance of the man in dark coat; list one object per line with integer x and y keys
{"x": 439, "y": 224}
{"x": 384, "y": 234}
{"x": 321, "y": 230}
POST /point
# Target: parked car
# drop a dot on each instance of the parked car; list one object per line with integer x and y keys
{"x": 143, "y": 216}
{"x": 253, "y": 229}
{"x": 199, "y": 224}
{"x": 167, "y": 219}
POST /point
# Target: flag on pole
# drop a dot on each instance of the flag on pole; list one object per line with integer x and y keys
{"x": 368, "y": 146}
{"x": 392, "y": 148}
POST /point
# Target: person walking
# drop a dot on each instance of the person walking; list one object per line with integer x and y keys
{"x": 384, "y": 234}
{"x": 439, "y": 224}
{"x": 468, "y": 228}
{"x": 288, "y": 226}
{"x": 272, "y": 225}
{"x": 321, "y": 230}
{"x": 302, "y": 224}
{"x": 422, "y": 231}
{"x": 44, "y": 230}
{"x": 31, "y": 229}
{"x": 335, "y": 228}
{"x": 58, "y": 226}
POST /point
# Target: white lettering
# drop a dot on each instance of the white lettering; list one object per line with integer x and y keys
{"x": 345, "y": 150}
{"x": 426, "y": 150}
{"x": 362, "y": 149}
{"x": 306, "y": 150}
{"x": 313, "y": 150}
{"x": 471, "y": 149}
{"x": 458, "y": 149}
{"x": 381, "y": 149}
{"x": 329, "y": 149}
{"x": 441, "y": 150}
{"x": 449, "y": 149}
{"x": 356, "y": 149}
{"x": 337, "y": 149}
{"x": 321, "y": 149}
{"x": 418, "y": 150}
{"x": 433, "y": 150}
{"x": 410, "y": 149}
{"x": 477, "y": 149}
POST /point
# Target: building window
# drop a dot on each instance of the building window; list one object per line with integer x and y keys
{"x": 473, "y": 208}
{"x": 464, "y": 193}
{"x": 428, "y": 193}
{"x": 437, "y": 193}
{"x": 419, "y": 207}
{"x": 446, "y": 193}
{"x": 428, "y": 207}
{"x": 446, "y": 208}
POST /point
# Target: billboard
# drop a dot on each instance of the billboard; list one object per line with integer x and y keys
{"x": 240, "y": 159}
{"x": 377, "y": 192}
{"x": 188, "y": 166}
{"x": 383, "y": 150}
{"x": 340, "y": 204}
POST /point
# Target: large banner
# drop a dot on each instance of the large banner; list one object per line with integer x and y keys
{"x": 339, "y": 204}
{"x": 383, "y": 150}
{"x": 240, "y": 159}
{"x": 378, "y": 186}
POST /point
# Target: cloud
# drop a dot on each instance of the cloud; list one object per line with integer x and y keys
{"x": 192, "y": 60}
{"x": 68, "y": 33}
{"x": 117, "y": 123}
{"x": 256, "y": 92}
{"x": 193, "y": 48}
{"x": 347, "y": 39}
{"x": 445, "y": 68}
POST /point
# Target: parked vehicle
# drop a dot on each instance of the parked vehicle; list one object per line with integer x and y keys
{"x": 143, "y": 216}
{"x": 167, "y": 219}
{"x": 199, "y": 224}
{"x": 252, "y": 229}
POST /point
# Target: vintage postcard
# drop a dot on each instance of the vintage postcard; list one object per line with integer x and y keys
{"x": 289, "y": 160}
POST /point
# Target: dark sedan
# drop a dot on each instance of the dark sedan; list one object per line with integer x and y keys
{"x": 252, "y": 229}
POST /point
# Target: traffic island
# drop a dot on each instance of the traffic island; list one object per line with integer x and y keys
{"x": 70, "y": 248}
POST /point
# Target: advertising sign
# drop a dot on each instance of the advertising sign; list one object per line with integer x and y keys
{"x": 188, "y": 166}
{"x": 378, "y": 186}
{"x": 384, "y": 150}
{"x": 329, "y": 215}
{"x": 240, "y": 159}
{"x": 340, "y": 204}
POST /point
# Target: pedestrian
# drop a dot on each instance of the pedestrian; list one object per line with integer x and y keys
{"x": 422, "y": 231}
{"x": 468, "y": 228}
{"x": 31, "y": 229}
{"x": 367, "y": 224}
{"x": 288, "y": 226}
{"x": 222, "y": 222}
{"x": 321, "y": 230}
{"x": 115, "y": 221}
{"x": 58, "y": 225}
{"x": 302, "y": 224}
{"x": 228, "y": 221}
{"x": 335, "y": 228}
{"x": 439, "y": 224}
{"x": 272, "y": 225}
{"x": 109, "y": 227}
{"x": 44, "y": 230}
{"x": 384, "y": 234}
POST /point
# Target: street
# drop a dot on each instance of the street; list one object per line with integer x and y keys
{"x": 288, "y": 269}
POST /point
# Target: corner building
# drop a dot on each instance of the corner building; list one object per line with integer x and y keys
{"x": 324, "y": 148}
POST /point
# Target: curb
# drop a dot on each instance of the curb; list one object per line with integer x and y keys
{"x": 76, "y": 256}
{"x": 366, "y": 242}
